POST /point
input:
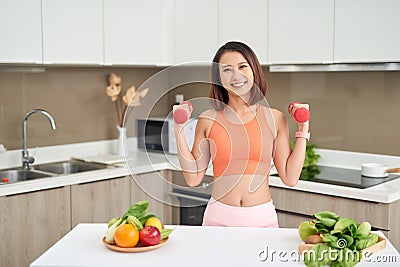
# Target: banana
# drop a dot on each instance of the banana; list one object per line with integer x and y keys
{"x": 135, "y": 222}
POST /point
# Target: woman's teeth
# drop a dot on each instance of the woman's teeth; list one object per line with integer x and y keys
{"x": 238, "y": 84}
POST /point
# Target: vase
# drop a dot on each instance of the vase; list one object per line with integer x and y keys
{"x": 121, "y": 149}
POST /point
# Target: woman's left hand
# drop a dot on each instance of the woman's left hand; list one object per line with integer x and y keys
{"x": 301, "y": 117}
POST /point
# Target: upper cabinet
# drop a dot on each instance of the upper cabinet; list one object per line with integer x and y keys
{"x": 169, "y": 32}
{"x": 21, "y": 31}
{"x": 196, "y": 31}
{"x": 132, "y": 32}
{"x": 251, "y": 29}
{"x": 367, "y": 31}
{"x": 301, "y": 31}
{"x": 73, "y": 32}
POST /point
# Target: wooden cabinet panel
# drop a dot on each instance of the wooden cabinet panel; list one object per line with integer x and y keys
{"x": 73, "y": 32}
{"x": 98, "y": 202}
{"x": 291, "y": 220}
{"x": 31, "y": 223}
{"x": 305, "y": 203}
{"x": 154, "y": 187}
{"x": 20, "y": 31}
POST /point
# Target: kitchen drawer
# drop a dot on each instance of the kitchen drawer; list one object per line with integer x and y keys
{"x": 307, "y": 203}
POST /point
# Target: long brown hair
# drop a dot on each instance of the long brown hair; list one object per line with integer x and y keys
{"x": 218, "y": 94}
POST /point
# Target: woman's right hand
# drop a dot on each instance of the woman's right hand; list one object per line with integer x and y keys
{"x": 182, "y": 112}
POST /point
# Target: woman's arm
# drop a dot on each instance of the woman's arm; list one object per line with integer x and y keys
{"x": 194, "y": 163}
{"x": 288, "y": 162}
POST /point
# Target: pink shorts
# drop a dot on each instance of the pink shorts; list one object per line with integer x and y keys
{"x": 220, "y": 214}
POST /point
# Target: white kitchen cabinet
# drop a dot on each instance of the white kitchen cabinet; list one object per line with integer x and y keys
{"x": 253, "y": 30}
{"x": 99, "y": 201}
{"x": 132, "y": 31}
{"x": 367, "y": 31}
{"x": 32, "y": 222}
{"x": 72, "y": 31}
{"x": 20, "y": 31}
{"x": 196, "y": 32}
{"x": 301, "y": 31}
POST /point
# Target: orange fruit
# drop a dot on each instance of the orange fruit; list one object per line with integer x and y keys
{"x": 126, "y": 236}
{"x": 153, "y": 221}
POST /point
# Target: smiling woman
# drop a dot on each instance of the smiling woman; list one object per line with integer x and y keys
{"x": 241, "y": 136}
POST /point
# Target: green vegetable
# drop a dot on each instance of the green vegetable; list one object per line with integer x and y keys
{"x": 343, "y": 237}
{"x": 366, "y": 241}
{"x": 317, "y": 256}
{"x": 138, "y": 209}
{"x": 111, "y": 230}
{"x": 112, "y": 221}
{"x": 330, "y": 223}
{"x": 325, "y": 221}
{"x": 135, "y": 222}
{"x": 364, "y": 229}
{"x": 344, "y": 224}
{"x": 144, "y": 219}
{"x": 165, "y": 233}
{"x": 326, "y": 214}
{"x": 346, "y": 258}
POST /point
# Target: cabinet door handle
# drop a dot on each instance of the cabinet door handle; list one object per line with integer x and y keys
{"x": 200, "y": 199}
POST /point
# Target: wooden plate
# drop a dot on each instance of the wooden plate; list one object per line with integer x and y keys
{"x": 139, "y": 247}
{"x": 378, "y": 246}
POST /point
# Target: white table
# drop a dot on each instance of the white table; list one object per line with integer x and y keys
{"x": 191, "y": 246}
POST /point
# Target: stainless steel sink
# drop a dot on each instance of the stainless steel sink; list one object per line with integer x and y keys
{"x": 13, "y": 176}
{"x": 69, "y": 167}
{"x": 53, "y": 169}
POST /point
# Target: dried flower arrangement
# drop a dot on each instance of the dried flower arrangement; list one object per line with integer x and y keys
{"x": 130, "y": 99}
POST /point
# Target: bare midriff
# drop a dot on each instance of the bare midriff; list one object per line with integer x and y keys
{"x": 245, "y": 190}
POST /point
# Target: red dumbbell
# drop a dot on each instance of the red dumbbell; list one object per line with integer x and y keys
{"x": 181, "y": 115}
{"x": 300, "y": 114}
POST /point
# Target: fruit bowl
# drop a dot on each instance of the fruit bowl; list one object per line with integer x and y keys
{"x": 138, "y": 248}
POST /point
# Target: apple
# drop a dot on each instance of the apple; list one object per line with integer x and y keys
{"x": 306, "y": 229}
{"x": 150, "y": 236}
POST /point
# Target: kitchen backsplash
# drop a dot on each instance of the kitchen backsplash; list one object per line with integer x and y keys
{"x": 352, "y": 111}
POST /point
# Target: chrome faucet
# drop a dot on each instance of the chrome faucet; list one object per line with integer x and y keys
{"x": 26, "y": 159}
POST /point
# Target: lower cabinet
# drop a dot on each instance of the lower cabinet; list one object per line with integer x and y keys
{"x": 154, "y": 187}
{"x": 295, "y": 206}
{"x": 98, "y": 202}
{"x": 30, "y": 223}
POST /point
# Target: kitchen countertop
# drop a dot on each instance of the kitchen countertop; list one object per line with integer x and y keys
{"x": 142, "y": 162}
{"x": 194, "y": 246}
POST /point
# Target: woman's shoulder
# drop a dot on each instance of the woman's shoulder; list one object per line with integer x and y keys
{"x": 273, "y": 111}
{"x": 277, "y": 116}
{"x": 209, "y": 114}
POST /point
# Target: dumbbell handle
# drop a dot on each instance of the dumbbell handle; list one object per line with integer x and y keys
{"x": 181, "y": 115}
{"x": 300, "y": 114}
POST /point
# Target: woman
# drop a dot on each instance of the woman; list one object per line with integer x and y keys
{"x": 241, "y": 137}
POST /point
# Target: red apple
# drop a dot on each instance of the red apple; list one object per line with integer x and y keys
{"x": 150, "y": 236}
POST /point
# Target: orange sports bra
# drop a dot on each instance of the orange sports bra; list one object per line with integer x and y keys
{"x": 241, "y": 148}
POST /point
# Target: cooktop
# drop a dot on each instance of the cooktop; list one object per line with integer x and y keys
{"x": 341, "y": 176}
